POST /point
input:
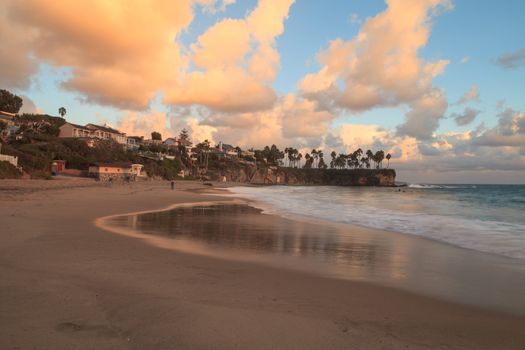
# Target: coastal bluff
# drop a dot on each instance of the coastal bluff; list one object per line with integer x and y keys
{"x": 301, "y": 176}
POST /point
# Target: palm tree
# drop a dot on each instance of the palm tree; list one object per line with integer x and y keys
{"x": 321, "y": 164}
{"x": 315, "y": 155}
{"x": 388, "y": 156}
{"x": 332, "y": 162}
{"x": 309, "y": 160}
{"x": 206, "y": 150}
{"x": 62, "y": 111}
{"x": 378, "y": 158}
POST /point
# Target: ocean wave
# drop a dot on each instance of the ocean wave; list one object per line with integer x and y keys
{"x": 491, "y": 236}
{"x": 440, "y": 186}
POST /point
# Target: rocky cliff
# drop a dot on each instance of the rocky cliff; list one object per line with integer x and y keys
{"x": 294, "y": 176}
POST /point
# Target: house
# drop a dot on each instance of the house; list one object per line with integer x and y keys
{"x": 7, "y": 117}
{"x": 228, "y": 150}
{"x": 92, "y": 131}
{"x": 137, "y": 169}
{"x": 248, "y": 154}
{"x": 10, "y": 127}
{"x": 112, "y": 171}
{"x": 11, "y": 159}
{"x": 74, "y": 130}
{"x": 107, "y": 133}
{"x": 171, "y": 142}
{"x": 133, "y": 142}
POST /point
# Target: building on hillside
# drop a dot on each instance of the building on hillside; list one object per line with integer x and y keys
{"x": 10, "y": 127}
{"x": 7, "y": 117}
{"x": 11, "y": 159}
{"x": 107, "y": 133}
{"x": 171, "y": 142}
{"x": 74, "y": 130}
{"x": 112, "y": 171}
{"x": 228, "y": 150}
{"x": 134, "y": 142}
{"x": 137, "y": 170}
{"x": 92, "y": 131}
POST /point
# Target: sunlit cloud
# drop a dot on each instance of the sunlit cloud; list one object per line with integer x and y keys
{"x": 235, "y": 75}
{"x": 380, "y": 67}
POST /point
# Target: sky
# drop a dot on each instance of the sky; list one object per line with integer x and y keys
{"x": 436, "y": 83}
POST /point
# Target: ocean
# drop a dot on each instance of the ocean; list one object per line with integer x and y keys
{"x": 485, "y": 218}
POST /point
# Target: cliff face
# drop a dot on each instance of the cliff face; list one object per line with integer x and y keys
{"x": 291, "y": 176}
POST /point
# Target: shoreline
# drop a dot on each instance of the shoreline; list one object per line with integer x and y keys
{"x": 488, "y": 266}
{"x": 93, "y": 289}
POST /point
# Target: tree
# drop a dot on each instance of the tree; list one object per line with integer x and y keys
{"x": 332, "y": 162}
{"x": 322, "y": 164}
{"x": 9, "y": 102}
{"x": 369, "y": 157}
{"x": 388, "y": 156}
{"x": 205, "y": 150}
{"x": 62, "y": 111}
{"x": 156, "y": 136}
{"x": 184, "y": 135}
{"x": 378, "y": 158}
{"x": 315, "y": 156}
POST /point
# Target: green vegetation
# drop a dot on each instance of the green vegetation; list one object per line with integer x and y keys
{"x": 9, "y": 102}
{"x": 9, "y": 171}
{"x": 37, "y": 144}
{"x": 156, "y": 136}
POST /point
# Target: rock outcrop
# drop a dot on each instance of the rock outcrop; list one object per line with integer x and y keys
{"x": 294, "y": 176}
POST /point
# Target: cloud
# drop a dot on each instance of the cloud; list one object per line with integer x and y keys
{"x": 16, "y": 65}
{"x": 464, "y": 60}
{"x": 512, "y": 60}
{"x": 235, "y": 75}
{"x": 510, "y": 131}
{"x": 119, "y": 53}
{"x": 141, "y": 124}
{"x": 28, "y": 106}
{"x": 300, "y": 118}
{"x": 424, "y": 115}
{"x": 380, "y": 67}
{"x": 467, "y": 117}
{"x": 471, "y": 95}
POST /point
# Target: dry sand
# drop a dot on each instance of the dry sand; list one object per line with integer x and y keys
{"x": 66, "y": 284}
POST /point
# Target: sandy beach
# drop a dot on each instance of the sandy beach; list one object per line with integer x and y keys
{"x": 68, "y": 284}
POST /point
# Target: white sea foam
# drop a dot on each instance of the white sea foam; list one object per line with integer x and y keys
{"x": 437, "y": 218}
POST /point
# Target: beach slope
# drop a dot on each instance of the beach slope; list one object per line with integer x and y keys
{"x": 66, "y": 284}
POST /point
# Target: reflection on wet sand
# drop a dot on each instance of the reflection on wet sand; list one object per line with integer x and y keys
{"x": 236, "y": 231}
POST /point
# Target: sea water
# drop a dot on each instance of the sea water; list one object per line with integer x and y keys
{"x": 486, "y": 218}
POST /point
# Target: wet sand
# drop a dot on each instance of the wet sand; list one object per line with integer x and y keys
{"x": 240, "y": 231}
{"x": 67, "y": 284}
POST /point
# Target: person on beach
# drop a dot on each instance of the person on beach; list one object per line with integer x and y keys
{"x": 173, "y": 185}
